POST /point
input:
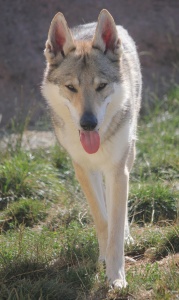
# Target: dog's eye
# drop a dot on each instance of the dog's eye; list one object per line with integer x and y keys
{"x": 101, "y": 86}
{"x": 71, "y": 88}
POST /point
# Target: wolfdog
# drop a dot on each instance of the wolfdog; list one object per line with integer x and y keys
{"x": 92, "y": 84}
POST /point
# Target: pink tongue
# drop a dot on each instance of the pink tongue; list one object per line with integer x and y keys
{"x": 90, "y": 141}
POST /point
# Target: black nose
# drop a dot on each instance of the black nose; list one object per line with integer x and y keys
{"x": 88, "y": 121}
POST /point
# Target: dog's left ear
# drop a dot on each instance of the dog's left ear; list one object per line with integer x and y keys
{"x": 106, "y": 36}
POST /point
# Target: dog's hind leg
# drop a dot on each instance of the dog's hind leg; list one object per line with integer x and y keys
{"x": 93, "y": 188}
{"x": 130, "y": 161}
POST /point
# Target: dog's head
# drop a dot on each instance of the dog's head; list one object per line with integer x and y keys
{"x": 82, "y": 71}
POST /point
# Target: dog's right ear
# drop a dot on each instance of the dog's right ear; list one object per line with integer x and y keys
{"x": 60, "y": 41}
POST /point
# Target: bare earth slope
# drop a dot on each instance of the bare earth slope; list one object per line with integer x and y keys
{"x": 23, "y": 31}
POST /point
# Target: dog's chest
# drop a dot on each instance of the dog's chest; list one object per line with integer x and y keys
{"x": 111, "y": 151}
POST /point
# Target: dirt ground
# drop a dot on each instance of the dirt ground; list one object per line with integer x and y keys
{"x": 24, "y": 26}
{"x": 30, "y": 140}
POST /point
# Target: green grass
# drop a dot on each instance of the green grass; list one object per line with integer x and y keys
{"x": 24, "y": 175}
{"x": 48, "y": 243}
{"x": 150, "y": 203}
{"x": 157, "y": 151}
{"x": 25, "y": 211}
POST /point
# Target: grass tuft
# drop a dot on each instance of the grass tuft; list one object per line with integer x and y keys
{"x": 24, "y": 175}
{"x": 25, "y": 211}
{"x": 152, "y": 203}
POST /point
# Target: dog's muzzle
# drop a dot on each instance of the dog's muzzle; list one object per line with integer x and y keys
{"x": 89, "y": 137}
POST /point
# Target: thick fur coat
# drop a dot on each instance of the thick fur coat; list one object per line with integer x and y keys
{"x": 92, "y": 84}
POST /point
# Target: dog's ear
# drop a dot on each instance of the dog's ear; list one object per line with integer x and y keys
{"x": 106, "y": 36}
{"x": 60, "y": 41}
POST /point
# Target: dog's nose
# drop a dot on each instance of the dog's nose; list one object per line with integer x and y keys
{"x": 88, "y": 121}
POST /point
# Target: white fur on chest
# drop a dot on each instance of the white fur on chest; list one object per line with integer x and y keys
{"x": 109, "y": 153}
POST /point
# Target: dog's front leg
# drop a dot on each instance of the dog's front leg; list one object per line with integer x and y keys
{"x": 117, "y": 193}
{"x": 92, "y": 186}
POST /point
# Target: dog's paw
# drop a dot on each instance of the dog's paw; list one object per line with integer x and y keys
{"x": 129, "y": 240}
{"x": 118, "y": 284}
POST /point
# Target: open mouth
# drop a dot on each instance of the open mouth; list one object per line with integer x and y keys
{"x": 90, "y": 140}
